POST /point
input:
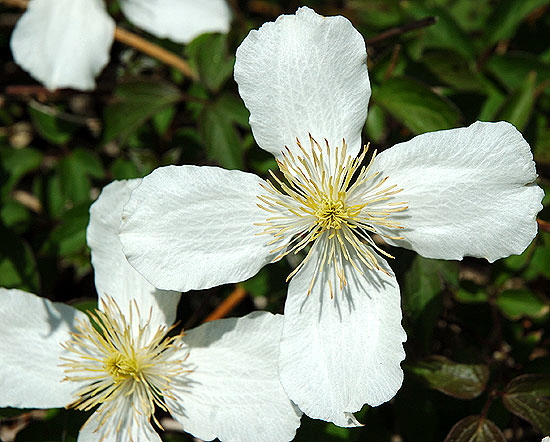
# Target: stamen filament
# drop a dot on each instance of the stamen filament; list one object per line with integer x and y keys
{"x": 333, "y": 203}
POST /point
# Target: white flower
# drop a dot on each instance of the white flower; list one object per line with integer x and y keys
{"x": 66, "y": 43}
{"x": 218, "y": 380}
{"x": 447, "y": 194}
{"x": 63, "y": 43}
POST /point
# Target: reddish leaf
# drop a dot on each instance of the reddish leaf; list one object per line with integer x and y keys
{"x": 528, "y": 396}
{"x": 475, "y": 429}
{"x": 463, "y": 381}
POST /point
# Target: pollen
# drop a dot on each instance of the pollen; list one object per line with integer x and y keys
{"x": 115, "y": 359}
{"x": 333, "y": 215}
{"x": 329, "y": 205}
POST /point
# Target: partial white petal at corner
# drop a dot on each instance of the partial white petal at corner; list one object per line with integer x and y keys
{"x": 33, "y": 329}
{"x": 64, "y": 43}
{"x": 178, "y": 20}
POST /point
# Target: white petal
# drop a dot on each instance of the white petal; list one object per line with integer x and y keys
{"x": 178, "y": 20}
{"x": 470, "y": 191}
{"x": 114, "y": 276}
{"x": 135, "y": 426}
{"x": 189, "y": 227}
{"x": 32, "y": 330}
{"x": 64, "y": 43}
{"x": 234, "y": 392}
{"x": 338, "y": 354}
{"x": 304, "y": 74}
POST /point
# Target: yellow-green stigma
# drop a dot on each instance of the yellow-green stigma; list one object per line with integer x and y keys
{"x": 332, "y": 203}
{"x": 118, "y": 360}
{"x": 333, "y": 215}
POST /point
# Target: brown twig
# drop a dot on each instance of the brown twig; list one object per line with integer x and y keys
{"x": 398, "y": 30}
{"x": 16, "y": 3}
{"x": 543, "y": 225}
{"x": 155, "y": 51}
{"x": 130, "y": 39}
{"x": 393, "y": 62}
{"x": 228, "y": 304}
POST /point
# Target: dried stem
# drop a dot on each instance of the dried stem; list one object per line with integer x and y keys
{"x": 16, "y": 3}
{"x": 228, "y": 304}
{"x": 398, "y": 30}
{"x": 155, "y": 51}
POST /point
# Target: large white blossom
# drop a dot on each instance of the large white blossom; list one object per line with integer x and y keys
{"x": 66, "y": 43}
{"x": 447, "y": 194}
{"x": 218, "y": 380}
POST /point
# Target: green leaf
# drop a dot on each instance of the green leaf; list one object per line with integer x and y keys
{"x": 70, "y": 235}
{"x": 471, "y": 297}
{"x": 376, "y": 120}
{"x": 163, "y": 119}
{"x": 14, "y": 215}
{"x": 74, "y": 171}
{"x": 17, "y": 263}
{"x": 136, "y": 102}
{"x": 123, "y": 169}
{"x": 513, "y": 68}
{"x": 528, "y": 396}
{"x": 463, "y": 381}
{"x": 89, "y": 163}
{"x": 541, "y": 149}
{"x": 470, "y": 15}
{"x": 85, "y": 306}
{"x": 15, "y": 163}
{"x": 208, "y": 55}
{"x": 475, "y": 429}
{"x": 416, "y": 106}
{"x": 518, "y": 262}
{"x": 453, "y": 69}
{"x": 445, "y": 33}
{"x": 516, "y": 304}
{"x": 506, "y": 17}
{"x": 518, "y": 107}
{"x": 220, "y": 137}
{"x": 424, "y": 281}
{"x": 258, "y": 285}
{"x": 378, "y": 14}
{"x": 54, "y": 195}
{"x": 539, "y": 264}
{"x": 492, "y": 105}
{"x": 48, "y": 124}
{"x": 235, "y": 109}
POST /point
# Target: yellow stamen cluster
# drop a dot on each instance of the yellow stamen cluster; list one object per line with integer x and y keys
{"x": 332, "y": 203}
{"x": 119, "y": 361}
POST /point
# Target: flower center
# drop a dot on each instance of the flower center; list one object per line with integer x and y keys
{"x": 332, "y": 203}
{"x": 113, "y": 360}
{"x": 333, "y": 214}
{"x": 122, "y": 367}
